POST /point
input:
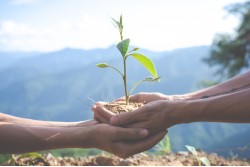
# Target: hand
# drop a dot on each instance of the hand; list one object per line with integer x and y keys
{"x": 123, "y": 142}
{"x": 143, "y": 97}
{"x": 146, "y": 97}
{"x": 155, "y": 116}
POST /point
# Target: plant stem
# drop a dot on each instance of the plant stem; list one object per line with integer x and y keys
{"x": 116, "y": 70}
{"x": 198, "y": 159}
{"x": 135, "y": 85}
{"x": 125, "y": 81}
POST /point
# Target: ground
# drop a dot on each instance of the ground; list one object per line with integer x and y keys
{"x": 170, "y": 159}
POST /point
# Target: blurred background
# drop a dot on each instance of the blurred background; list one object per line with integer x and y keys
{"x": 49, "y": 48}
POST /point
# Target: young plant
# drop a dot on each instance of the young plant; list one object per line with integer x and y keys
{"x": 200, "y": 160}
{"x": 123, "y": 47}
{"x": 164, "y": 146}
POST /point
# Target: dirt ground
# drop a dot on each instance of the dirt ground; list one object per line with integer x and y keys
{"x": 171, "y": 159}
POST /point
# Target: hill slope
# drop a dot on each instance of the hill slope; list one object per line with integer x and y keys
{"x": 57, "y": 86}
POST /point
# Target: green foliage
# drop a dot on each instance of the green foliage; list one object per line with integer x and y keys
{"x": 164, "y": 146}
{"x": 205, "y": 161}
{"x": 74, "y": 152}
{"x": 123, "y": 47}
{"x": 31, "y": 155}
{"x": 201, "y": 160}
{"x": 119, "y": 26}
{"x": 192, "y": 150}
{"x": 13, "y": 158}
{"x": 4, "y": 158}
{"x": 230, "y": 53}
{"x": 102, "y": 65}
{"x": 146, "y": 62}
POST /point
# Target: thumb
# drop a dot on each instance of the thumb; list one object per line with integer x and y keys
{"x": 122, "y": 119}
{"x": 127, "y": 118}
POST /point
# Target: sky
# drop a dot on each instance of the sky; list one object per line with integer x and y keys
{"x": 158, "y": 25}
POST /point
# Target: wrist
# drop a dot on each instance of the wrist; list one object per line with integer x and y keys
{"x": 83, "y": 137}
{"x": 73, "y": 137}
{"x": 194, "y": 111}
{"x": 182, "y": 111}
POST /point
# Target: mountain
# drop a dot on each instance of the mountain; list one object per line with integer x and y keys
{"x": 62, "y": 86}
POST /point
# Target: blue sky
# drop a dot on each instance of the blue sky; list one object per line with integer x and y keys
{"x": 159, "y": 25}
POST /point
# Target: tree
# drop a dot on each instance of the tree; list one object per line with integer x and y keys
{"x": 230, "y": 53}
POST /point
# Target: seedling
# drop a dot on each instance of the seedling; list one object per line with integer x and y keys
{"x": 164, "y": 146}
{"x": 200, "y": 160}
{"x": 123, "y": 47}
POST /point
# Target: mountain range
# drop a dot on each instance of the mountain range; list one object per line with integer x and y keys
{"x": 62, "y": 86}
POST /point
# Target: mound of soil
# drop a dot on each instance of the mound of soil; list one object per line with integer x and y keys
{"x": 171, "y": 159}
{"x": 118, "y": 107}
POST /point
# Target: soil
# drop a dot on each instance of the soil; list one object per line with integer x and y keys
{"x": 171, "y": 159}
{"x": 119, "y": 107}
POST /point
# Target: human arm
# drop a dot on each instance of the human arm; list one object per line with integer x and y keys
{"x": 15, "y": 138}
{"x": 25, "y": 121}
{"x": 162, "y": 114}
{"x": 232, "y": 85}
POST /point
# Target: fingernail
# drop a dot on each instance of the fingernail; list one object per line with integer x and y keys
{"x": 144, "y": 132}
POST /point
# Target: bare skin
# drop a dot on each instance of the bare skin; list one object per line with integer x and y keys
{"x": 226, "y": 102}
{"x": 31, "y": 122}
{"x": 18, "y": 135}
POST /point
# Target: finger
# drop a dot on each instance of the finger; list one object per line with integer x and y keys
{"x": 99, "y": 103}
{"x": 104, "y": 112}
{"x": 134, "y": 98}
{"x": 145, "y": 144}
{"x": 126, "y": 118}
{"x": 101, "y": 119}
{"x": 150, "y": 129}
{"x": 130, "y": 133}
{"x": 120, "y": 99}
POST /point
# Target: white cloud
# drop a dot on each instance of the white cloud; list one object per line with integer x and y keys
{"x": 23, "y": 2}
{"x": 85, "y": 33}
{"x": 156, "y": 25}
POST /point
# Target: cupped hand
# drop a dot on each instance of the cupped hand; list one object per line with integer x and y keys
{"x": 143, "y": 97}
{"x": 123, "y": 142}
{"x": 155, "y": 116}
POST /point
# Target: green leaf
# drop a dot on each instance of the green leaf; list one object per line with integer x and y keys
{"x": 191, "y": 149}
{"x": 102, "y": 65}
{"x": 205, "y": 161}
{"x": 135, "y": 49}
{"x": 123, "y": 46}
{"x": 31, "y": 155}
{"x": 121, "y": 26}
{"x": 152, "y": 79}
{"x": 146, "y": 62}
{"x": 116, "y": 23}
